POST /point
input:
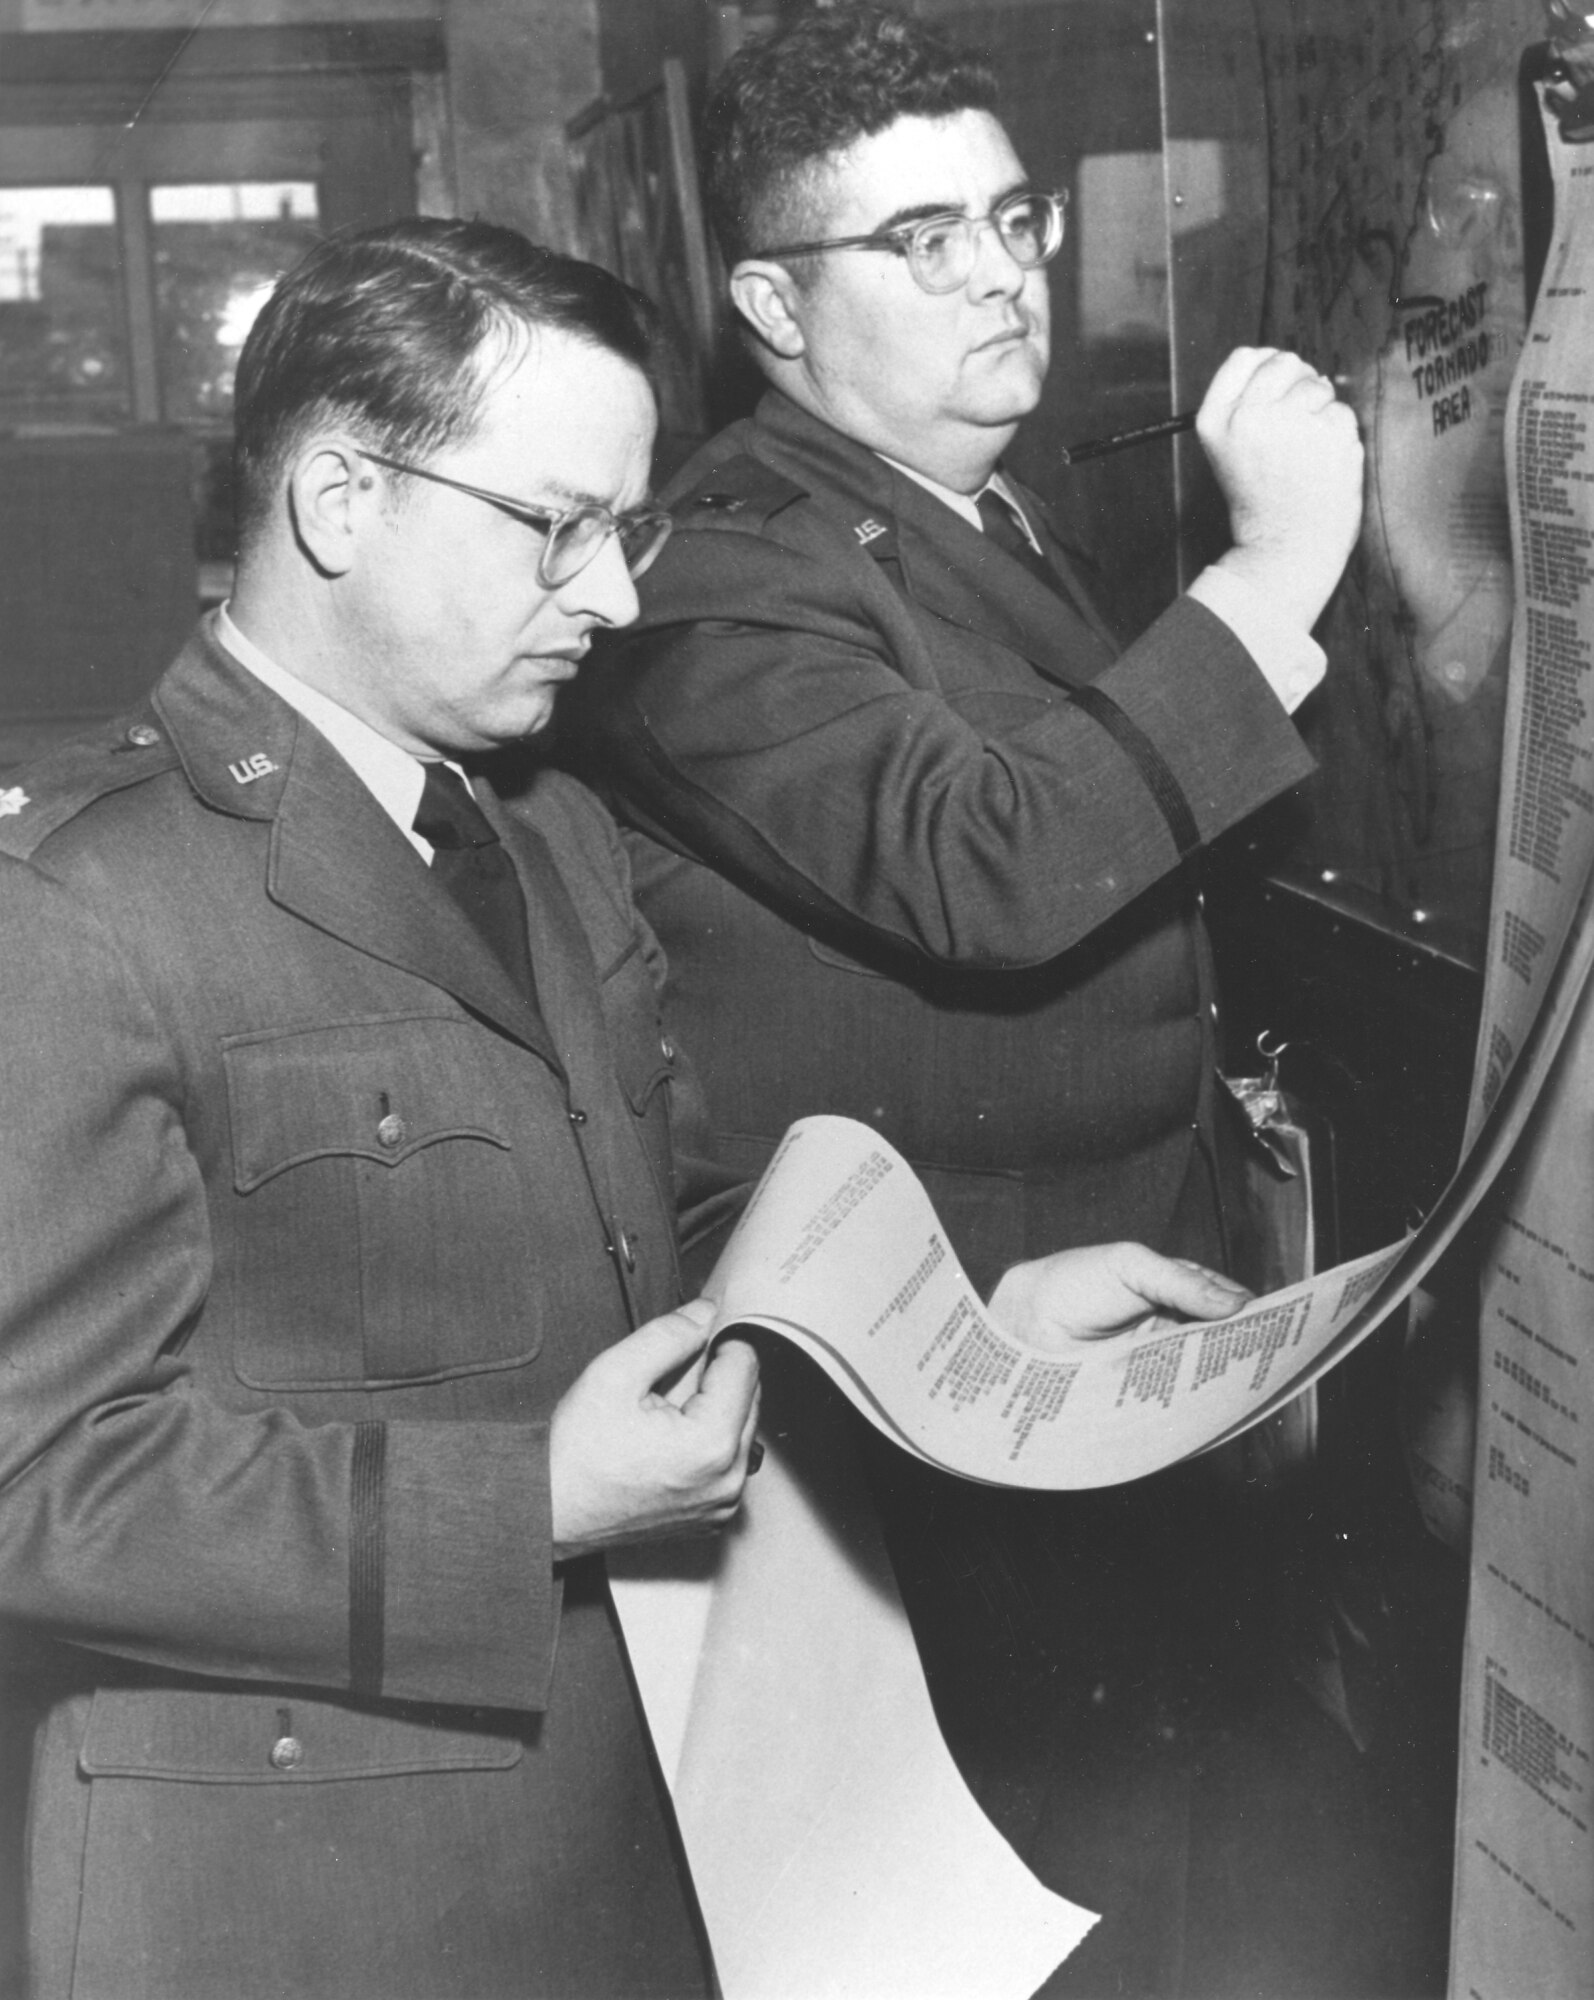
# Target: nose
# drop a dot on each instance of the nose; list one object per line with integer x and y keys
{"x": 604, "y": 590}
{"x": 997, "y": 272}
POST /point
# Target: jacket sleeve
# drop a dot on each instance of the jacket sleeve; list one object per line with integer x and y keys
{"x": 139, "y": 1517}
{"x": 777, "y": 719}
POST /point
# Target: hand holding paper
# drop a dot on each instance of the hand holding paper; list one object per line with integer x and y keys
{"x": 629, "y": 1461}
{"x": 1108, "y": 1289}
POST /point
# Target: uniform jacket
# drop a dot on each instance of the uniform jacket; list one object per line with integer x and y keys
{"x": 308, "y": 1221}
{"x": 911, "y": 832}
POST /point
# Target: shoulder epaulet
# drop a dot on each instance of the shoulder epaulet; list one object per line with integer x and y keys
{"x": 743, "y": 493}
{"x": 40, "y": 796}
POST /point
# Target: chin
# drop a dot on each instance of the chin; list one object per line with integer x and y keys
{"x": 1011, "y": 393}
{"x": 535, "y": 718}
{"x": 996, "y": 412}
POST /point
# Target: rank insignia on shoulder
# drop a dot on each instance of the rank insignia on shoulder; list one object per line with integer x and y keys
{"x": 247, "y": 769}
{"x": 12, "y": 799}
{"x": 720, "y": 503}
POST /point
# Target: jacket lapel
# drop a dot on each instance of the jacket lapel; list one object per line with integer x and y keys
{"x": 963, "y": 576}
{"x": 337, "y": 861}
{"x": 948, "y": 567}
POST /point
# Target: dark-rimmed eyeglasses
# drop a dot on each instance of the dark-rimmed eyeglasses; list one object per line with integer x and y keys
{"x": 575, "y": 535}
{"x": 940, "y": 250}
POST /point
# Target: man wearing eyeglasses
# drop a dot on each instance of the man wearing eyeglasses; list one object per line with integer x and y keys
{"x": 347, "y": 1205}
{"x": 335, "y": 1181}
{"x": 912, "y": 828}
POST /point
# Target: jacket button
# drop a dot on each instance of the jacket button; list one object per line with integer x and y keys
{"x": 143, "y": 735}
{"x": 667, "y": 1048}
{"x": 287, "y": 1753}
{"x": 392, "y": 1131}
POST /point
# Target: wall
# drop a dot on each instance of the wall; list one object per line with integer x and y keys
{"x": 517, "y": 70}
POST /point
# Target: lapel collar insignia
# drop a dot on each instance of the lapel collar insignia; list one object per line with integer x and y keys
{"x": 247, "y": 770}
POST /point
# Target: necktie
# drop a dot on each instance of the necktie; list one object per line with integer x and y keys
{"x": 470, "y": 862}
{"x": 1004, "y": 525}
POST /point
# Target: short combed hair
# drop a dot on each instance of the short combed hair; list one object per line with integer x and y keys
{"x": 783, "y": 106}
{"x": 383, "y": 331}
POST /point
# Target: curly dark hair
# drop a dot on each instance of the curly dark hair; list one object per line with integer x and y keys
{"x": 783, "y": 106}
{"x": 382, "y": 330}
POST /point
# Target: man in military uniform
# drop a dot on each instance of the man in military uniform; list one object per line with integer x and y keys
{"x": 339, "y": 1204}
{"x": 918, "y": 837}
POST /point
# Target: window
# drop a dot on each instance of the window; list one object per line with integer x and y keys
{"x": 148, "y": 204}
{"x": 219, "y": 247}
{"x": 63, "y": 337}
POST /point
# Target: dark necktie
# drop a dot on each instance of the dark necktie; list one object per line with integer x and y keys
{"x": 470, "y": 862}
{"x": 1004, "y": 525}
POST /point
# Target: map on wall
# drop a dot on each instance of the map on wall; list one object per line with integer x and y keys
{"x": 1395, "y": 263}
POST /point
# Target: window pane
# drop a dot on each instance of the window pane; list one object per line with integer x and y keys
{"x": 63, "y": 351}
{"x": 219, "y": 249}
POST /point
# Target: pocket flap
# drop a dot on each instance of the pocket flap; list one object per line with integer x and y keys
{"x": 378, "y": 1090}
{"x": 240, "y": 1736}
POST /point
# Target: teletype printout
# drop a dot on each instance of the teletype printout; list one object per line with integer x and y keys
{"x": 1524, "y": 1897}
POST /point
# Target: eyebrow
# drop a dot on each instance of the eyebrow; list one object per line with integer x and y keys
{"x": 556, "y": 492}
{"x": 923, "y": 211}
{"x": 561, "y": 496}
{"x": 557, "y": 495}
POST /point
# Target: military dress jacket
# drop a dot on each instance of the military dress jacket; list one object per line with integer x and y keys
{"x": 308, "y": 1220}
{"x": 910, "y": 829}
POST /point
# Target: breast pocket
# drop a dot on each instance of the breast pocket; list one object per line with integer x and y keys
{"x": 381, "y": 1229}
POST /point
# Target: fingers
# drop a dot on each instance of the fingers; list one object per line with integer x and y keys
{"x": 731, "y": 1377}
{"x": 750, "y": 1452}
{"x": 1175, "y": 1284}
{"x": 661, "y": 1346}
{"x": 629, "y": 1463}
{"x": 727, "y": 1401}
{"x": 1231, "y": 382}
{"x": 1255, "y": 376}
{"x": 1287, "y": 456}
{"x": 1107, "y": 1290}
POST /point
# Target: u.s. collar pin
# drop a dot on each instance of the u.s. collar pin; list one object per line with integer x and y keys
{"x": 247, "y": 769}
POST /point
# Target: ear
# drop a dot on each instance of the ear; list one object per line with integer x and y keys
{"x": 769, "y": 301}
{"x": 330, "y": 489}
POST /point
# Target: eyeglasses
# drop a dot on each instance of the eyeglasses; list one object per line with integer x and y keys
{"x": 574, "y": 536}
{"x": 940, "y": 250}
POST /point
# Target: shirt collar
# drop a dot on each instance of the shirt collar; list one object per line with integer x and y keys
{"x": 967, "y": 504}
{"x": 393, "y": 777}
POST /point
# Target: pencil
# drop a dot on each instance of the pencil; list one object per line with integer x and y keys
{"x": 1121, "y": 440}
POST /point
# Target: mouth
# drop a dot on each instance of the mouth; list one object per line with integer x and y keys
{"x": 1007, "y": 336}
{"x": 562, "y": 666}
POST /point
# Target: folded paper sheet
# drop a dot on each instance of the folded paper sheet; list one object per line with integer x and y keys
{"x": 836, "y": 1851}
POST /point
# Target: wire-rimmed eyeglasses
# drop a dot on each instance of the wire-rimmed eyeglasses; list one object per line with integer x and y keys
{"x": 575, "y": 534}
{"x": 940, "y": 250}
